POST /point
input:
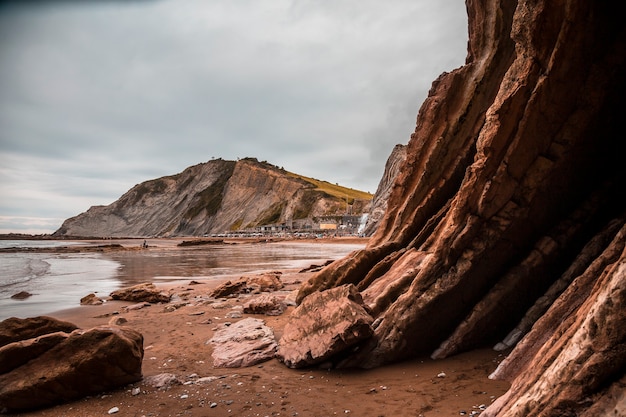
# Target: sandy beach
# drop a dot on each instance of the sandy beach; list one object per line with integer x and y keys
{"x": 175, "y": 341}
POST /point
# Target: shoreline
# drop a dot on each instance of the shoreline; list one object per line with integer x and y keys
{"x": 175, "y": 341}
{"x": 130, "y": 244}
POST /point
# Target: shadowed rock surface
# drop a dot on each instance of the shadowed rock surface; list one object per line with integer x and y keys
{"x": 60, "y": 367}
{"x": 15, "y": 329}
{"x": 508, "y": 213}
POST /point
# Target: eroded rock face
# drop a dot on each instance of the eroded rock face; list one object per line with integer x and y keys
{"x": 379, "y": 202}
{"x": 509, "y": 200}
{"x": 207, "y": 198}
{"x": 325, "y": 324}
{"x": 146, "y": 292}
{"x": 60, "y": 367}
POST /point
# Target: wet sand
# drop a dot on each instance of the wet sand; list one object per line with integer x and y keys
{"x": 175, "y": 342}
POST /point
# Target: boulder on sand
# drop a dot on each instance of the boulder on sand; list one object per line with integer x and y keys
{"x": 15, "y": 329}
{"x": 146, "y": 292}
{"x": 268, "y": 304}
{"x": 245, "y": 343}
{"x": 323, "y": 325}
{"x": 91, "y": 300}
{"x": 61, "y": 367}
{"x": 251, "y": 284}
{"x": 229, "y": 288}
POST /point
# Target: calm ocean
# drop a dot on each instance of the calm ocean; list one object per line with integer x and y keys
{"x": 59, "y": 280}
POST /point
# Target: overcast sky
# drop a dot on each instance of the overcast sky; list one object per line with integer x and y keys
{"x": 97, "y": 96}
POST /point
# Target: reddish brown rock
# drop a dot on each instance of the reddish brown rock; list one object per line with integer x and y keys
{"x": 325, "y": 324}
{"x": 14, "y": 355}
{"x": 244, "y": 343}
{"x": 229, "y": 288}
{"x": 268, "y": 304}
{"x": 146, "y": 292}
{"x": 506, "y": 214}
{"x": 91, "y": 300}
{"x": 255, "y": 283}
{"x": 85, "y": 362}
{"x": 264, "y": 282}
{"x": 15, "y": 329}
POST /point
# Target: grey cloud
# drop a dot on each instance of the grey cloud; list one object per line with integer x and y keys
{"x": 117, "y": 93}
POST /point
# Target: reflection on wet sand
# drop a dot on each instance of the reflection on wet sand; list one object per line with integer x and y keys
{"x": 221, "y": 260}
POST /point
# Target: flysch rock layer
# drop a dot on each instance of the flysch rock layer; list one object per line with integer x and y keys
{"x": 507, "y": 209}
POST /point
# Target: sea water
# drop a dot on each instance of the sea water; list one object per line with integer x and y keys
{"x": 55, "y": 280}
{"x": 59, "y": 280}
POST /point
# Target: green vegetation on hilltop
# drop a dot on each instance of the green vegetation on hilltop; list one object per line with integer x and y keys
{"x": 335, "y": 190}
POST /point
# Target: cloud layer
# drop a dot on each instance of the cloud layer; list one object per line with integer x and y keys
{"x": 98, "y": 96}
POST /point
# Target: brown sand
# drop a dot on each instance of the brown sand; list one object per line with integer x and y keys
{"x": 175, "y": 342}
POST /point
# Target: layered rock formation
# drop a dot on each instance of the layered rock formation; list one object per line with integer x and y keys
{"x": 508, "y": 216}
{"x": 379, "y": 202}
{"x": 215, "y": 197}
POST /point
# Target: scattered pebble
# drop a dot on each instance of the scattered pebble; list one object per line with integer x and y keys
{"x": 113, "y": 410}
{"x": 441, "y": 375}
{"x": 213, "y": 405}
{"x": 135, "y": 391}
{"x": 184, "y": 397}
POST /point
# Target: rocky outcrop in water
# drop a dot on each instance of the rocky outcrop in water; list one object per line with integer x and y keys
{"x": 507, "y": 215}
{"x": 218, "y": 196}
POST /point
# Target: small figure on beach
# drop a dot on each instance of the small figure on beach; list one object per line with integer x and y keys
{"x": 144, "y": 245}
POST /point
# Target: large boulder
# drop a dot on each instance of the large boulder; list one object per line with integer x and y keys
{"x": 60, "y": 367}
{"x": 14, "y": 329}
{"x": 325, "y": 324}
{"x": 244, "y": 343}
{"x": 146, "y": 292}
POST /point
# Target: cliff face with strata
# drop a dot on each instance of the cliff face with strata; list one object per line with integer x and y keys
{"x": 214, "y": 197}
{"x": 381, "y": 196}
{"x": 506, "y": 224}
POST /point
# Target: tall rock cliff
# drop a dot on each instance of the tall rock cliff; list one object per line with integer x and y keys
{"x": 507, "y": 223}
{"x": 215, "y": 197}
{"x": 381, "y": 196}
